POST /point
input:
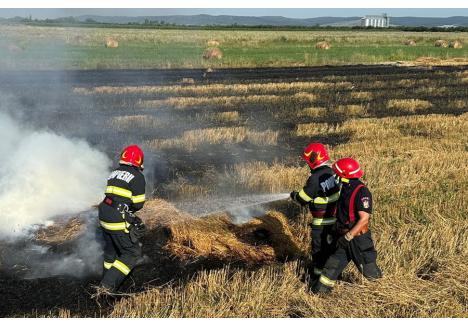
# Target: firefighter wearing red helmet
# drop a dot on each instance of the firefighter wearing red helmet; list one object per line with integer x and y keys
{"x": 354, "y": 239}
{"x": 124, "y": 195}
{"x": 320, "y": 194}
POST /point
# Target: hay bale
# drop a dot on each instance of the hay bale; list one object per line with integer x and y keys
{"x": 212, "y": 43}
{"x": 213, "y": 53}
{"x": 409, "y": 42}
{"x": 323, "y": 45}
{"x": 111, "y": 43}
{"x": 441, "y": 44}
{"x": 456, "y": 44}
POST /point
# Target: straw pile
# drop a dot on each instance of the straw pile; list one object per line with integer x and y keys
{"x": 441, "y": 44}
{"x": 111, "y": 43}
{"x": 262, "y": 240}
{"x": 212, "y": 53}
{"x": 323, "y": 45}
{"x": 61, "y": 231}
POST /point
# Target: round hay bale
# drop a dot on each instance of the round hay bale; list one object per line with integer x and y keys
{"x": 212, "y": 43}
{"x": 214, "y": 53}
{"x": 409, "y": 42}
{"x": 441, "y": 44}
{"x": 111, "y": 43}
{"x": 456, "y": 44}
{"x": 323, "y": 45}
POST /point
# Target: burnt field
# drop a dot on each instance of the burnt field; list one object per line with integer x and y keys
{"x": 197, "y": 125}
{"x": 211, "y": 136}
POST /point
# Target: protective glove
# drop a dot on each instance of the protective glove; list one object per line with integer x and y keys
{"x": 294, "y": 195}
{"x": 137, "y": 230}
{"x": 342, "y": 242}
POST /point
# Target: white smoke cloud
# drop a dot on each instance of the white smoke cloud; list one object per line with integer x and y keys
{"x": 45, "y": 175}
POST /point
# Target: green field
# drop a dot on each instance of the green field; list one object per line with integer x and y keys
{"x": 29, "y": 47}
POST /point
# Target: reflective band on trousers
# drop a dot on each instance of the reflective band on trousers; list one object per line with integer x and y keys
{"x": 121, "y": 267}
{"x": 121, "y": 226}
{"x": 319, "y": 200}
{"x": 125, "y": 193}
{"x": 323, "y": 221}
{"x": 317, "y": 271}
{"x": 326, "y": 281}
{"x": 107, "y": 265}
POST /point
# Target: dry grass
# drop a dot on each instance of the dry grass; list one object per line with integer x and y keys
{"x": 135, "y": 121}
{"x": 261, "y": 177}
{"x": 415, "y": 167}
{"x": 360, "y": 95}
{"x": 228, "y": 116}
{"x": 350, "y": 110}
{"x": 408, "y": 105}
{"x": 458, "y": 104}
{"x": 191, "y": 139}
{"x": 313, "y": 112}
{"x": 61, "y": 231}
{"x": 216, "y": 89}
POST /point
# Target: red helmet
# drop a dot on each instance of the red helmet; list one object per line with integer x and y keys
{"x": 347, "y": 168}
{"x": 132, "y": 155}
{"x": 315, "y": 154}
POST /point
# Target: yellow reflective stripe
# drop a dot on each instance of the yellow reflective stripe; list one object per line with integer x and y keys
{"x": 119, "y": 191}
{"x": 304, "y": 196}
{"x": 121, "y": 267}
{"x": 323, "y": 221}
{"x": 317, "y": 271}
{"x": 122, "y": 226}
{"x": 344, "y": 180}
{"x": 325, "y": 200}
{"x": 138, "y": 199}
{"x": 107, "y": 265}
{"x": 326, "y": 281}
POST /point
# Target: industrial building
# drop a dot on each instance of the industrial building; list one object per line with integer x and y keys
{"x": 375, "y": 21}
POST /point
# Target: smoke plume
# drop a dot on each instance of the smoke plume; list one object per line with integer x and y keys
{"x": 45, "y": 175}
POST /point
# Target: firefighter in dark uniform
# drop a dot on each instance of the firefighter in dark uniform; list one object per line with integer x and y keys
{"x": 125, "y": 195}
{"x": 354, "y": 239}
{"x": 320, "y": 194}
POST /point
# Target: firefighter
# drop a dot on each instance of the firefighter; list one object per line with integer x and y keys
{"x": 354, "y": 239}
{"x": 124, "y": 195}
{"x": 320, "y": 194}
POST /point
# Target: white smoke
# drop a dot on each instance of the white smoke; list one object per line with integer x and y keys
{"x": 44, "y": 175}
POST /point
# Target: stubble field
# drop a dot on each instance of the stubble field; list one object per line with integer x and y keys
{"x": 208, "y": 140}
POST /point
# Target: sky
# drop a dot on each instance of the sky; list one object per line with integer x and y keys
{"x": 291, "y": 13}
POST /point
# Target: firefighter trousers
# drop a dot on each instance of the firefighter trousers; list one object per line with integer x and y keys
{"x": 322, "y": 248}
{"x": 120, "y": 256}
{"x": 361, "y": 251}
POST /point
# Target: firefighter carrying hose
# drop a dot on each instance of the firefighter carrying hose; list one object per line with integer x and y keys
{"x": 354, "y": 239}
{"x": 125, "y": 194}
{"x": 320, "y": 193}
